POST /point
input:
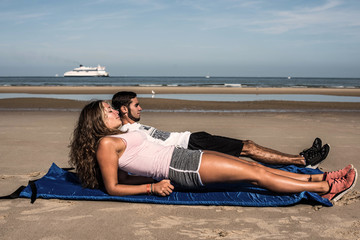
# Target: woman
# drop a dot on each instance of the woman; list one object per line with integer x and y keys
{"x": 103, "y": 157}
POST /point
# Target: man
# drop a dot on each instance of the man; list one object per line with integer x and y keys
{"x": 129, "y": 111}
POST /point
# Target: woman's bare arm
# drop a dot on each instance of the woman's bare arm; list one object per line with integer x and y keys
{"x": 125, "y": 178}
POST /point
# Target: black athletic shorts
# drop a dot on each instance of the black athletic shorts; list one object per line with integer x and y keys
{"x": 206, "y": 141}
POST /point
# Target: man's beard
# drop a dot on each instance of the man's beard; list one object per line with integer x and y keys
{"x": 132, "y": 117}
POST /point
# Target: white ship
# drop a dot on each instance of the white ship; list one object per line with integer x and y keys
{"x": 87, "y": 72}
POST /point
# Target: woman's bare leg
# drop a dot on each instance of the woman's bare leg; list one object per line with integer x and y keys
{"x": 301, "y": 177}
{"x": 222, "y": 168}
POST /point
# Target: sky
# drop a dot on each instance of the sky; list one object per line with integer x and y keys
{"x": 230, "y": 38}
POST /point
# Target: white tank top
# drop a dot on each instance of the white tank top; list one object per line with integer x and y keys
{"x": 143, "y": 157}
{"x": 180, "y": 139}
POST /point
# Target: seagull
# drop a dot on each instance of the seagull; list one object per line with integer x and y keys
{"x": 153, "y": 92}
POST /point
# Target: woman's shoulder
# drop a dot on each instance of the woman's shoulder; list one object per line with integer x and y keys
{"x": 111, "y": 141}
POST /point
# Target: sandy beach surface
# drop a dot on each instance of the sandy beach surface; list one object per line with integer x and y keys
{"x": 36, "y": 132}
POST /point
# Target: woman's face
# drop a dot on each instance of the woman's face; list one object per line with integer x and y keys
{"x": 111, "y": 117}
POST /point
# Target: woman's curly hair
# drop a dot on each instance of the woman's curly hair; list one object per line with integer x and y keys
{"x": 89, "y": 129}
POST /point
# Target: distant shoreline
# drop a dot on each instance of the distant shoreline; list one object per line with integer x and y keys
{"x": 177, "y": 89}
{"x": 43, "y": 104}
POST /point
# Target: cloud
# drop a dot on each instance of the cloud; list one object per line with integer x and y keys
{"x": 263, "y": 17}
{"x": 322, "y": 18}
{"x": 18, "y": 17}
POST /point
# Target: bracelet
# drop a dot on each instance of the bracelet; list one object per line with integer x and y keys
{"x": 151, "y": 189}
{"x": 148, "y": 189}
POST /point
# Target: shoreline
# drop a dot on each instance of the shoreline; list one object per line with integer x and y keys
{"x": 176, "y": 90}
{"x": 48, "y": 104}
{"x": 166, "y": 105}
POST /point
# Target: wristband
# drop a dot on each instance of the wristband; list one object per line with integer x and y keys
{"x": 148, "y": 189}
{"x": 151, "y": 189}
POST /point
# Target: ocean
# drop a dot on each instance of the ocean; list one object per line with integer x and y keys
{"x": 229, "y": 82}
{"x": 184, "y": 81}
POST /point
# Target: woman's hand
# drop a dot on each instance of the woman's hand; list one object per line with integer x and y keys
{"x": 163, "y": 188}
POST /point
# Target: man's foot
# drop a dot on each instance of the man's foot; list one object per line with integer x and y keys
{"x": 337, "y": 174}
{"x": 316, "y": 146}
{"x": 313, "y": 158}
{"x": 309, "y": 153}
{"x": 340, "y": 186}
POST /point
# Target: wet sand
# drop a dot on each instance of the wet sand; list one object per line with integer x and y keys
{"x": 165, "y": 90}
{"x": 166, "y": 104}
{"x": 36, "y": 132}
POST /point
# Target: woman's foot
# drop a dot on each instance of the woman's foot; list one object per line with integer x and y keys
{"x": 337, "y": 174}
{"x": 340, "y": 186}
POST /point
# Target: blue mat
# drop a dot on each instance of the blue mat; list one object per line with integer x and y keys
{"x": 61, "y": 184}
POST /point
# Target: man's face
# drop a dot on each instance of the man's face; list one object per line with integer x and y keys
{"x": 134, "y": 110}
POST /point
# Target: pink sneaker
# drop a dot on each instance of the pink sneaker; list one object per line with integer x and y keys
{"x": 337, "y": 174}
{"x": 340, "y": 186}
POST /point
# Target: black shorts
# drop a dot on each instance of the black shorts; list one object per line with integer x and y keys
{"x": 206, "y": 141}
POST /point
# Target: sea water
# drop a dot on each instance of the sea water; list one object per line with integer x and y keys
{"x": 184, "y": 81}
{"x": 226, "y": 82}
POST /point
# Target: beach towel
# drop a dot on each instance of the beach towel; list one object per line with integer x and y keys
{"x": 61, "y": 184}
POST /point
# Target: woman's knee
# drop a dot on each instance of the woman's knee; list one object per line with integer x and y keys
{"x": 255, "y": 164}
{"x": 255, "y": 173}
{"x": 260, "y": 175}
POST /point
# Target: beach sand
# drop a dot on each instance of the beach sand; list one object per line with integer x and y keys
{"x": 35, "y": 133}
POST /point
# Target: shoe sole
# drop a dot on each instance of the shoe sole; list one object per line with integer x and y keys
{"x": 340, "y": 195}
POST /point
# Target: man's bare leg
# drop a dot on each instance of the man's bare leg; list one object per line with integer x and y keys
{"x": 270, "y": 156}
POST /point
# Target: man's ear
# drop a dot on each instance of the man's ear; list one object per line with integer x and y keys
{"x": 124, "y": 109}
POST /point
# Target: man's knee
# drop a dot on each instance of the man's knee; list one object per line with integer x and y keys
{"x": 248, "y": 145}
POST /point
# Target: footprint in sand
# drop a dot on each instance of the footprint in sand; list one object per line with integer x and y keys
{"x": 49, "y": 206}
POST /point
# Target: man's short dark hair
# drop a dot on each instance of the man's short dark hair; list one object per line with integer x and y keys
{"x": 122, "y": 98}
